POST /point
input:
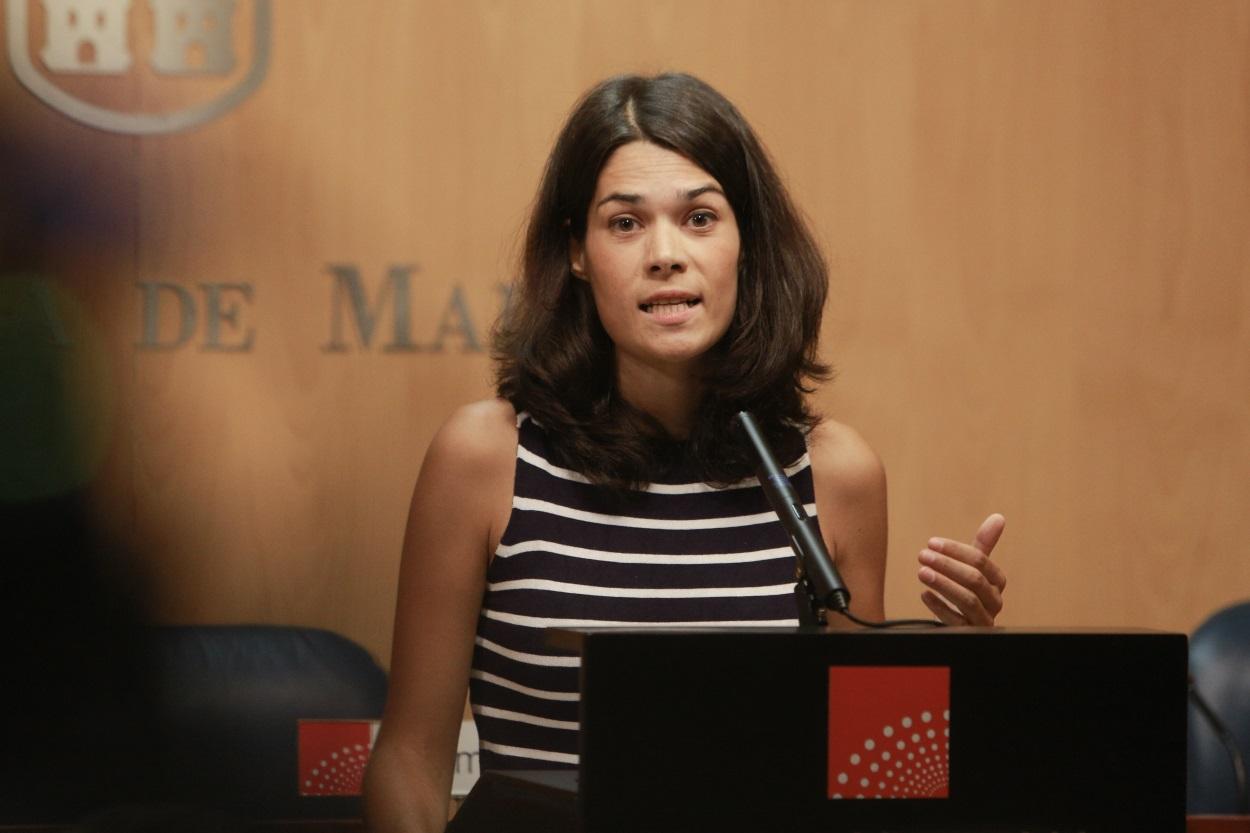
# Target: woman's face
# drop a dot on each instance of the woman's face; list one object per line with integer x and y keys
{"x": 661, "y": 256}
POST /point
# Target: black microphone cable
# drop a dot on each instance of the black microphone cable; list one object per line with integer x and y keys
{"x": 894, "y": 623}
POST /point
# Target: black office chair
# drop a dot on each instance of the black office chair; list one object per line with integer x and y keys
{"x": 230, "y": 699}
{"x": 1219, "y": 713}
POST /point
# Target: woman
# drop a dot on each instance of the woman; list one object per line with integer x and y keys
{"x": 667, "y": 283}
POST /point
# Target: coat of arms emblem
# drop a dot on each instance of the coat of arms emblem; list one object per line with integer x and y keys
{"x": 56, "y": 48}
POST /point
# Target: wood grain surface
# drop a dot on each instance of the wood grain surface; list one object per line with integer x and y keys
{"x": 1037, "y": 217}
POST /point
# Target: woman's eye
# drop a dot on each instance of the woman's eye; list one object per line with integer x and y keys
{"x": 702, "y": 219}
{"x": 623, "y": 224}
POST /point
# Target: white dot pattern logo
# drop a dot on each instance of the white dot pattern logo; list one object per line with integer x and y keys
{"x": 342, "y": 774}
{"x": 888, "y": 731}
{"x": 919, "y": 768}
{"x": 333, "y": 755}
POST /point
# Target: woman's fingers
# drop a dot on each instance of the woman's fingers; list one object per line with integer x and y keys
{"x": 963, "y": 577}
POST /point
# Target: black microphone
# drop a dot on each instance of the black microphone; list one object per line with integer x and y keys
{"x": 826, "y": 584}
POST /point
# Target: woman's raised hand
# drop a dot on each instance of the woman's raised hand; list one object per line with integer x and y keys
{"x": 965, "y": 586}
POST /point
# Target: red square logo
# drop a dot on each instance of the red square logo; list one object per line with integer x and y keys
{"x": 332, "y": 755}
{"x": 889, "y": 732}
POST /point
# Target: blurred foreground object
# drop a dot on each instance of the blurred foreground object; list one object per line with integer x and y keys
{"x": 1219, "y": 665}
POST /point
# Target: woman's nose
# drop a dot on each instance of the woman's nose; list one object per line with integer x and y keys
{"x": 666, "y": 254}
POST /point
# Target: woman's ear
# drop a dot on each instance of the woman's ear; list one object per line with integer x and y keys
{"x": 577, "y": 257}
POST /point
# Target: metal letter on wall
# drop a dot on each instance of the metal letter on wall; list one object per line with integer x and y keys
{"x": 192, "y": 37}
{"x": 456, "y": 321}
{"x": 396, "y": 291}
{"x": 215, "y": 312}
{"x": 151, "y": 316}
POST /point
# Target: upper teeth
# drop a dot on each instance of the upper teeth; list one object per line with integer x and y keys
{"x": 668, "y": 306}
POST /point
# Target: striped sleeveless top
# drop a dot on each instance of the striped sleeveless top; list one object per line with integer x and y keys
{"x": 573, "y": 555}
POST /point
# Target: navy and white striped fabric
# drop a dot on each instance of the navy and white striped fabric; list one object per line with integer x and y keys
{"x": 572, "y": 555}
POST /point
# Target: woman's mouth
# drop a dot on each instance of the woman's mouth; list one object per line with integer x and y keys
{"x": 668, "y": 307}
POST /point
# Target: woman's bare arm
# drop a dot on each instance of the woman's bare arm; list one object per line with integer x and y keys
{"x": 459, "y": 507}
{"x": 851, "y": 505}
{"x": 965, "y": 586}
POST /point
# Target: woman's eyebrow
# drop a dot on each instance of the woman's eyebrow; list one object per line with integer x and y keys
{"x": 635, "y": 199}
{"x": 706, "y": 189}
{"x": 632, "y": 199}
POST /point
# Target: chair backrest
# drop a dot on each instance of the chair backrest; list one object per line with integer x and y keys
{"x": 1219, "y": 663}
{"x": 230, "y": 698}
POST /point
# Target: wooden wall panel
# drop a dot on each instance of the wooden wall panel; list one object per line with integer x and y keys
{"x": 1036, "y": 216}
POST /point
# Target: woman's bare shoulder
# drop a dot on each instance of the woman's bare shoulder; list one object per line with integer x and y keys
{"x": 851, "y": 502}
{"x": 468, "y": 475}
{"x": 843, "y": 460}
{"x": 480, "y": 436}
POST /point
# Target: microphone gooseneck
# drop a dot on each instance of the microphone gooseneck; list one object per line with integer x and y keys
{"x": 826, "y": 585}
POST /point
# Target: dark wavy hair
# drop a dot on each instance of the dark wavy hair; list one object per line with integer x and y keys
{"x": 553, "y": 357}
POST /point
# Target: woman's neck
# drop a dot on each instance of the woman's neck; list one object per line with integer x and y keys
{"x": 669, "y": 394}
